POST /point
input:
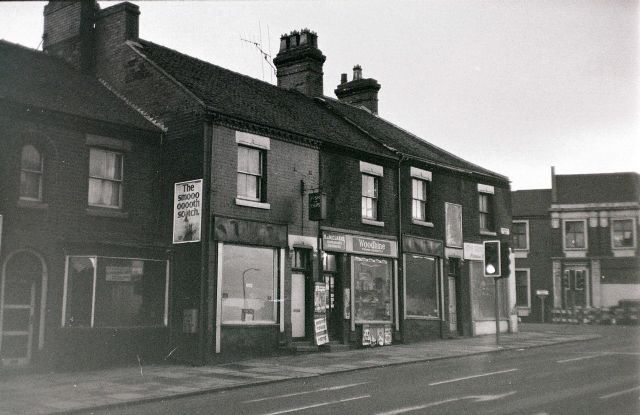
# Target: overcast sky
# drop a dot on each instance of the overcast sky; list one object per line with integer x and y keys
{"x": 514, "y": 86}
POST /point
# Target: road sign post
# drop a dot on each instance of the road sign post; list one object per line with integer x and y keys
{"x": 542, "y": 294}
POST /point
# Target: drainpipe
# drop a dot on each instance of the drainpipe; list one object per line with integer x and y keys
{"x": 205, "y": 234}
{"x": 400, "y": 267}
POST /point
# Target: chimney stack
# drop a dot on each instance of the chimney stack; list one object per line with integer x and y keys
{"x": 299, "y": 63}
{"x": 359, "y": 91}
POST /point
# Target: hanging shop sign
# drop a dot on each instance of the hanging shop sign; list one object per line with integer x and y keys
{"x": 320, "y": 328}
{"x": 187, "y": 211}
{"x": 341, "y": 242}
{"x": 317, "y": 206}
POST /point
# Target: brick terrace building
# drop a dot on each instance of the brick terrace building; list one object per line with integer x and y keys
{"x": 578, "y": 241}
{"x": 398, "y": 247}
{"x": 83, "y": 270}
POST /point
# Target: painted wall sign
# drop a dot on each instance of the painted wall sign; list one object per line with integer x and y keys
{"x": 317, "y": 206}
{"x": 187, "y": 211}
{"x": 474, "y": 252}
{"x": 245, "y": 231}
{"x": 453, "y": 229}
{"x": 333, "y": 241}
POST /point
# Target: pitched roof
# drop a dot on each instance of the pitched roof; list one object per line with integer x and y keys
{"x": 404, "y": 141}
{"x": 31, "y": 77}
{"x": 530, "y": 202}
{"x": 598, "y": 188}
{"x": 242, "y": 97}
{"x": 325, "y": 119}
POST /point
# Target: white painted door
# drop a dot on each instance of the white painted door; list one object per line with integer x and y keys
{"x": 453, "y": 317}
{"x": 297, "y": 305}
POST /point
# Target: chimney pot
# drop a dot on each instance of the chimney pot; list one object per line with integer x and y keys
{"x": 357, "y": 72}
{"x": 343, "y": 78}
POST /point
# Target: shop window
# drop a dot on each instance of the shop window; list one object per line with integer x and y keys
{"x": 115, "y": 292}
{"x": 574, "y": 234}
{"x": 369, "y": 197}
{"x": 523, "y": 296}
{"x": 105, "y": 178}
{"x": 421, "y": 286}
{"x": 372, "y": 290}
{"x": 31, "y": 172}
{"x": 623, "y": 233}
{"x": 251, "y": 173}
{"x": 249, "y": 285}
{"x": 520, "y": 235}
{"x": 420, "y": 200}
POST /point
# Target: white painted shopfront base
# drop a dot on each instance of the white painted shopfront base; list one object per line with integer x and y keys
{"x": 489, "y": 327}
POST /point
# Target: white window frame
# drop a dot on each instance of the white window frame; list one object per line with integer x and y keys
{"x": 375, "y": 198}
{"x": 526, "y": 227}
{"x": 633, "y": 230}
{"x": 528, "y": 271}
{"x": 564, "y": 236}
{"x": 40, "y": 174}
{"x": 260, "y": 175}
{"x": 120, "y": 181}
{"x": 165, "y": 320}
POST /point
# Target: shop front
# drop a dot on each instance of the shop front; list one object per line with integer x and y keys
{"x": 360, "y": 276}
{"x": 249, "y": 317}
{"x": 423, "y": 297}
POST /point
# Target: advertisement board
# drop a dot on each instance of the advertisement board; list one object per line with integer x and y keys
{"x": 187, "y": 211}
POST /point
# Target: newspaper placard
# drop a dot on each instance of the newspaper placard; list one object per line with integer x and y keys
{"x": 320, "y": 326}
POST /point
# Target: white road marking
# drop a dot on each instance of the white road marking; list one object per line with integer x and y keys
{"x": 302, "y": 408}
{"x": 613, "y": 395}
{"x": 477, "y": 398}
{"x": 574, "y": 359}
{"x": 287, "y": 395}
{"x": 472, "y": 377}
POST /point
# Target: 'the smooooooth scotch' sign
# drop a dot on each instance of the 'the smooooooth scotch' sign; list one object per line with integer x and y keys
{"x": 187, "y": 211}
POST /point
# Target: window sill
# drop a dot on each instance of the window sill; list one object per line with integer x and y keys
{"x": 253, "y": 204}
{"x": 372, "y": 222}
{"x": 32, "y": 204}
{"x": 107, "y": 213}
{"x": 422, "y": 223}
{"x": 624, "y": 252}
{"x": 488, "y": 233}
{"x": 428, "y": 318}
{"x": 250, "y": 324}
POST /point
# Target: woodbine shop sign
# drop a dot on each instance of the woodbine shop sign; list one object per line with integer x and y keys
{"x": 187, "y": 211}
{"x": 335, "y": 241}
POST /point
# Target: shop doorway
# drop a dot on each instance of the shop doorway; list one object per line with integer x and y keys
{"x": 298, "y": 306}
{"x": 23, "y": 273}
{"x": 455, "y": 313}
{"x": 333, "y": 283}
{"x": 574, "y": 287}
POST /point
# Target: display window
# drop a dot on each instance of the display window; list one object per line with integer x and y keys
{"x": 372, "y": 289}
{"x": 115, "y": 292}
{"x": 249, "y": 285}
{"x": 421, "y": 286}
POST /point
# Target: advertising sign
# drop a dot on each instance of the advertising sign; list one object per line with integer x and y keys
{"x": 366, "y": 335}
{"x": 320, "y": 298}
{"x": 346, "y": 300}
{"x": 332, "y": 241}
{"x": 320, "y": 327}
{"x": 371, "y": 246}
{"x": 453, "y": 228}
{"x": 474, "y": 252}
{"x": 187, "y": 211}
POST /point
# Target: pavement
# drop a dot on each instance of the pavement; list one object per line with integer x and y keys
{"x": 55, "y": 393}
